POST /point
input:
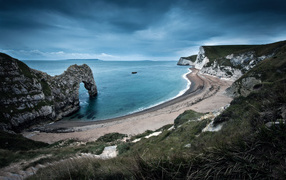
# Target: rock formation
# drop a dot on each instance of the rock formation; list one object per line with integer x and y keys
{"x": 187, "y": 61}
{"x": 233, "y": 61}
{"x": 30, "y": 96}
{"x": 243, "y": 87}
{"x": 237, "y": 64}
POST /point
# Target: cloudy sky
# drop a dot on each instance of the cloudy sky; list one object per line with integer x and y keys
{"x": 134, "y": 29}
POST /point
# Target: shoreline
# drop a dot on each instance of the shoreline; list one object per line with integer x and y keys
{"x": 205, "y": 94}
{"x": 193, "y": 89}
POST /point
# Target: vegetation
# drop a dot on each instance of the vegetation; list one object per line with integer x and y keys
{"x": 214, "y": 52}
{"x": 191, "y": 58}
{"x": 111, "y": 137}
{"x": 186, "y": 116}
{"x": 260, "y": 156}
{"x": 25, "y": 69}
{"x": 46, "y": 88}
{"x": 11, "y": 143}
{"x": 218, "y": 53}
{"x": 244, "y": 148}
{"x": 16, "y": 147}
{"x": 16, "y": 142}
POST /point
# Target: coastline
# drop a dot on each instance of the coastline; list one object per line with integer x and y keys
{"x": 182, "y": 92}
{"x": 202, "y": 88}
{"x": 195, "y": 87}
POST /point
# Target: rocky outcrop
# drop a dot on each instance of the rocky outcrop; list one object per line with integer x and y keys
{"x": 236, "y": 66}
{"x": 262, "y": 71}
{"x": 233, "y": 61}
{"x": 202, "y": 59}
{"x": 244, "y": 87}
{"x": 222, "y": 71}
{"x": 184, "y": 62}
{"x": 29, "y": 96}
{"x": 187, "y": 61}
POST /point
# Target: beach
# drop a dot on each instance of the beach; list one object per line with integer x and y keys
{"x": 205, "y": 94}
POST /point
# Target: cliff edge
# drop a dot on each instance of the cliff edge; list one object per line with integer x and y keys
{"x": 232, "y": 61}
{"x": 29, "y": 96}
{"x": 187, "y": 61}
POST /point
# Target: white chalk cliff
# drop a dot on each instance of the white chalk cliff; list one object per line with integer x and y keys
{"x": 202, "y": 59}
{"x": 185, "y": 62}
{"x": 237, "y": 64}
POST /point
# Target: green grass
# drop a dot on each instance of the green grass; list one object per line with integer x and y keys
{"x": 25, "y": 69}
{"x": 218, "y": 53}
{"x": 16, "y": 142}
{"x": 259, "y": 156}
{"x": 16, "y": 147}
{"x": 46, "y": 88}
{"x": 88, "y": 169}
{"x": 191, "y": 58}
{"x": 146, "y": 133}
{"x": 188, "y": 115}
{"x": 243, "y": 149}
{"x": 169, "y": 142}
{"x": 214, "y": 52}
{"x": 111, "y": 137}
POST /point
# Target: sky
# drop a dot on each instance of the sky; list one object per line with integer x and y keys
{"x": 134, "y": 29}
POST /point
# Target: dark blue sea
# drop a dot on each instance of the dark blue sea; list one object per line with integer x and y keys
{"x": 119, "y": 91}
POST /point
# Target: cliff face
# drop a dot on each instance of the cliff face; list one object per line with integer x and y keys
{"x": 233, "y": 61}
{"x": 29, "y": 96}
{"x": 187, "y": 61}
{"x": 202, "y": 59}
{"x": 267, "y": 73}
{"x": 238, "y": 64}
{"x": 244, "y": 87}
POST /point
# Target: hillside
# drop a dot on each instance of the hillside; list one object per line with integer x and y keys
{"x": 232, "y": 61}
{"x": 187, "y": 61}
{"x": 245, "y": 140}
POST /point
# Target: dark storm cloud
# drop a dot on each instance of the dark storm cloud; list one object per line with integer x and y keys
{"x": 111, "y": 29}
{"x": 123, "y": 14}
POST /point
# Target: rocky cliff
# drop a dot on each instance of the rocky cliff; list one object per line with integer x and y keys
{"x": 234, "y": 60}
{"x": 29, "y": 96}
{"x": 270, "y": 71}
{"x": 187, "y": 61}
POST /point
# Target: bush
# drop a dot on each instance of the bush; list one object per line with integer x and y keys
{"x": 186, "y": 116}
{"x": 111, "y": 137}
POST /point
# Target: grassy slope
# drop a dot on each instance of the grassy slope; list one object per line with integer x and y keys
{"x": 191, "y": 58}
{"x": 243, "y": 149}
{"x": 218, "y": 53}
{"x": 15, "y": 147}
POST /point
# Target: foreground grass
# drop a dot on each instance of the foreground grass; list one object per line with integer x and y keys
{"x": 243, "y": 149}
{"x": 259, "y": 156}
{"x": 15, "y": 148}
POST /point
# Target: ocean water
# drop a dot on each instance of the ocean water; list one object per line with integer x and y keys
{"x": 119, "y": 91}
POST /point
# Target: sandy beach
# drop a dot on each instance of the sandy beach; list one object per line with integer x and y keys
{"x": 206, "y": 94}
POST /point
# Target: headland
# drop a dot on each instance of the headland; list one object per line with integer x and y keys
{"x": 205, "y": 94}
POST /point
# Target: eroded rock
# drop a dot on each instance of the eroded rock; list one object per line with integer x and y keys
{"x": 30, "y": 96}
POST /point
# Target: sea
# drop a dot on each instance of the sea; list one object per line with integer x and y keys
{"x": 119, "y": 91}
